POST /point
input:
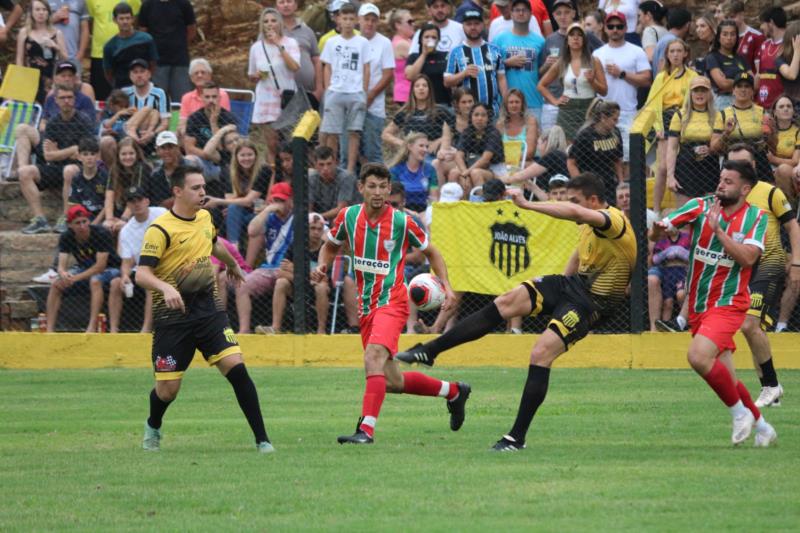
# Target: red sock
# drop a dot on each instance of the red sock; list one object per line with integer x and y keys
{"x": 719, "y": 379}
{"x": 744, "y": 394}
{"x": 421, "y": 385}
{"x": 373, "y": 399}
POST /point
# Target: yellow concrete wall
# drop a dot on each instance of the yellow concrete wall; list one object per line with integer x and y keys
{"x": 649, "y": 350}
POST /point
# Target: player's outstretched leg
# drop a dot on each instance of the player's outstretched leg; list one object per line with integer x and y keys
{"x": 158, "y": 406}
{"x": 419, "y": 384}
{"x": 246, "y": 394}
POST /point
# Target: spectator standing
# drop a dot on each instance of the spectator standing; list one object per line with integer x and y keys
{"x": 15, "y": 12}
{"x": 429, "y": 62}
{"x": 61, "y": 138}
{"x": 40, "y": 45}
{"x": 417, "y": 176}
{"x": 467, "y": 5}
{"x": 172, "y": 25}
{"x": 523, "y": 52}
{"x": 789, "y": 64}
{"x": 97, "y": 263}
{"x": 330, "y": 188}
{"x": 309, "y": 76}
{"x": 749, "y": 39}
{"x": 581, "y": 79}
{"x": 402, "y": 23}
{"x": 651, "y": 22}
{"x": 125, "y": 47}
{"x": 784, "y": 154}
{"x": 594, "y": 24}
{"x": 541, "y": 16}
{"x": 630, "y": 11}
{"x": 200, "y": 73}
{"x": 346, "y": 72}
{"x": 505, "y": 21}
{"x": 627, "y": 69}
{"x": 769, "y": 85}
{"x": 72, "y": 18}
{"x": 723, "y": 65}
{"x": 451, "y": 33}
{"x": 705, "y": 29}
{"x": 679, "y": 23}
{"x": 477, "y": 65}
{"x": 103, "y": 29}
{"x": 333, "y": 8}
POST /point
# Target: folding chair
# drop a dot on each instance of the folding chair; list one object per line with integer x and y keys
{"x": 340, "y": 270}
{"x": 242, "y": 106}
{"x": 514, "y": 152}
{"x": 13, "y": 113}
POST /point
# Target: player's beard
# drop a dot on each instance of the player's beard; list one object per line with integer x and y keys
{"x": 726, "y": 201}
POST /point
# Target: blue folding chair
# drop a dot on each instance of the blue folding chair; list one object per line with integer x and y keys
{"x": 18, "y": 113}
{"x": 242, "y": 105}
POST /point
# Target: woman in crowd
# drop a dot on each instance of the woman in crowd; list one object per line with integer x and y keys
{"x": 582, "y": 76}
{"x": 692, "y": 167}
{"x": 200, "y": 72}
{"x": 40, "y": 46}
{"x": 274, "y": 58}
{"x": 284, "y": 163}
{"x": 129, "y": 169}
{"x": 723, "y": 64}
{"x": 552, "y": 147}
{"x": 401, "y": 21}
{"x": 480, "y": 151}
{"x": 219, "y": 150}
{"x": 667, "y": 95}
{"x": 789, "y": 64}
{"x": 595, "y": 24}
{"x": 417, "y": 176}
{"x": 446, "y": 157}
{"x": 430, "y": 62}
{"x": 720, "y": 12}
{"x": 705, "y": 29}
{"x": 784, "y": 151}
{"x": 516, "y": 124}
{"x": 651, "y": 26}
{"x": 598, "y": 147}
{"x": 629, "y": 8}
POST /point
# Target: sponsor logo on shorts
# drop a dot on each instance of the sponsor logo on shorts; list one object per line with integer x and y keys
{"x": 373, "y": 266}
{"x": 570, "y": 319}
{"x": 712, "y": 257}
{"x": 166, "y": 364}
{"x": 229, "y": 335}
{"x": 756, "y": 300}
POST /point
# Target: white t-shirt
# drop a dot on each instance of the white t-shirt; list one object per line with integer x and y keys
{"x": 131, "y": 236}
{"x": 451, "y": 36}
{"x": 499, "y": 25}
{"x": 347, "y": 58}
{"x": 381, "y": 56}
{"x": 629, "y": 58}
{"x": 268, "y": 94}
{"x": 629, "y": 8}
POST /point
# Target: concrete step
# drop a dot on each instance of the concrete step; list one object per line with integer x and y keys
{"x": 23, "y": 257}
{"x": 14, "y": 210}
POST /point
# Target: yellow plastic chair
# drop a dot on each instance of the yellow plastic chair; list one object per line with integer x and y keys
{"x": 20, "y": 84}
{"x": 514, "y": 152}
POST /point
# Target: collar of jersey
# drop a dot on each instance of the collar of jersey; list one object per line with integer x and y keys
{"x": 176, "y": 215}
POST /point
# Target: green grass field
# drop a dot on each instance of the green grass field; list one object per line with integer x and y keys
{"x": 609, "y": 450}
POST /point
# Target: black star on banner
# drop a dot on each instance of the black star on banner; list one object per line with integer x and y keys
{"x": 499, "y": 211}
{"x": 516, "y": 214}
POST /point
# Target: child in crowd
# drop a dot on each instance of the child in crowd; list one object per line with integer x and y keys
{"x": 116, "y": 114}
{"x": 85, "y": 183}
{"x": 666, "y": 278}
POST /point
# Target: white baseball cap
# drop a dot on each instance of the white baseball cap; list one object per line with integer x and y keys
{"x": 450, "y": 192}
{"x": 166, "y": 137}
{"x": 369, "y": 9}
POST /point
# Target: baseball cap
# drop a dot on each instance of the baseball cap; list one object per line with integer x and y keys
{"x": 450, "y": 192}
{"x": 700, "y": 81}
{"x": 138, "y": 62}
{"x": 369, "y": 9}
{"x": 336, "y": 5}
{"x": 515, "y": 2}
{"x": 617, "y": 15}
{"x": 66, "y": 65}
{"x": 493, "y": 190}
{"x": 472, "y": 14}
{"x": 430, "y": 2}
{"x": 567, "y": 3}
{"x": 166, "y": 137}
{"x": 576, "y": 26}
{"x": 280, "y": 191}
{"x": 77, "y": 211}
{"x": 744, "y": 77}
{"x": 559, "y": 180}
{"x": 502, "y": 3}
{"x": 132, "y": 193}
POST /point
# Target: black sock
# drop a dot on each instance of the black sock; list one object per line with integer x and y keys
{"x": 157, "y": 409}
{"x": 769, "y": 377}
{"x": 473, "y": 327}
{"x": 247, "y": 396}
{"x": 532, "y": 397}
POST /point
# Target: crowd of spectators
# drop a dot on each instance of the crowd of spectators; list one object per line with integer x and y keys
{"x": 519, "y": 93}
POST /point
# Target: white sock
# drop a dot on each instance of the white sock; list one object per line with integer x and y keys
{"x": 681, "y": 321}
{"x": 780, "y": 326}
{"x": 445, "y": 390}
{"x": 737, "y": 409}
{"x": 761, "y": 424}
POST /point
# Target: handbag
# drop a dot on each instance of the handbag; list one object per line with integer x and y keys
{"x": 286, "y": 94}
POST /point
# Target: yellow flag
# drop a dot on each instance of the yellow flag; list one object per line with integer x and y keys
{"x": 490, "y": 248}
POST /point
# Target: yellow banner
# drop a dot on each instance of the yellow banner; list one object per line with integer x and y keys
{"x": 491, "y": 247}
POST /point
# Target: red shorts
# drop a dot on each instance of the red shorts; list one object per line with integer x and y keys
{"x": 383, "y": 326}
{"x": 719, "y": 324}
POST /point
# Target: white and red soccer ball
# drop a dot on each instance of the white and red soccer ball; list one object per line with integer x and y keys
{"x": 426, "y": 292}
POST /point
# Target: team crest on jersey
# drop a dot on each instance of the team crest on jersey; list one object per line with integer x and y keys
{"x": 388, "y": 245}
{"x": 738, "y": 237}
{"x": 509, "y": 252}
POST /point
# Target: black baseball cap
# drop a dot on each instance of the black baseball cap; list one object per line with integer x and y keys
{"x": 493, "y": 190}
{"x": 430, "y": 2}
{"x": 526, "y": 2}
{"x": 744, "y": 77}
{"x": 66, "y": 65}
{"x": 472, "y": 14}
{"x": 138, "y": 62}
{"x": 567, "y": 3}
{"x": 133, "y": 193}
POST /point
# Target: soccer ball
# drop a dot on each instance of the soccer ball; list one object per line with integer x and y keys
{"x": 426, "y": 292}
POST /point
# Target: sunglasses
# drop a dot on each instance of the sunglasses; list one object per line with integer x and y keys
{"x": 616, "y": 26}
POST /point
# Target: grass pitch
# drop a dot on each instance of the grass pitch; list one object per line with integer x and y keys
{"x": 609, "y": 450}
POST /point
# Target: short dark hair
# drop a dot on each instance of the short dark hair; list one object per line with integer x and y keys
{"x": 178, "y": 177}
{"x": 678, "y": 17}
{"x": 739, "y": 147}
{"x": 122, "y": 9}
{"x": 776, "y": 15}
{"x": 374, "y": 169}
{"x": 347, "y": 9}
{"x": 589, "y": 184}
{"x": 736, "y": 7}
{"x": 118, "y": 96}
{"x": 398, "y": 188}
{"x": 210, "y": 85}
{"x": 745, "y": 170}
{"x": 324, "y": 152}
{"x": 88, "y": 144}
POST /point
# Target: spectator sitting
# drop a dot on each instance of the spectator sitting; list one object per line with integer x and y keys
{"x": 40, "y": 45}
{"x": 480, "y": 151}
{"x": 493, "y": 190}
{"x": 61, "y": 138}
{"x": 517, "y": 124}
{"x": 557, "y": 188}
{"x": 784, "y": 155}
{"x": 330, "y": 189}
{"x": 126, "y": 46}
{"x": 669, "y": 259}
{"x": 284, "y": 283}
{"x": 553, "y": 161}
{"x": 152, "y": 105}
{"x": 116, "y": 114}
{"x": 156, "y": 185}
{"x": 273, "y": 229}
{"x": 463, "y": 103}
{"x": 85, "y": 183}
{"x": 130, "y": 170}
{"x": 430, "y": 62}
{"x": 284, "y": 163}
{"x": 97, "y": 263}
{"x": 418, "y": 177}
{"x": 200, "y": 73}
{"x": 203, "y": 124}
{"x": 449, "y": 192}
{"x": 131, "y": 237}
{"x": 222, "y": 274}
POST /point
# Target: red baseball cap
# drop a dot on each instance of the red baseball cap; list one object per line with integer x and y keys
{"x": 280, "y": 191}
{"x": 616, "y": 15}
{"x": 77, "y": 211}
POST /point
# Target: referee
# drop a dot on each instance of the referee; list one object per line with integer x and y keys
{"x": 175, "y": 264}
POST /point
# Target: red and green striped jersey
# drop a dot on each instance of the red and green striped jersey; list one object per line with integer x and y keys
{"x": 715, "y": 279}
{"x": 378, "y": 251}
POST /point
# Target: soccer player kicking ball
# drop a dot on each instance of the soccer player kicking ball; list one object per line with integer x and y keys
{"x": 187, "y": 313}
{"x": 592, "y": 287}
{"x": 728, "y": 236}
{"x": 379, "y": 236}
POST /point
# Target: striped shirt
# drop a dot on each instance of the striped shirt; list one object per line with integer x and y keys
{"x": 155, "y": 98}
{"x": 715, "y": 278}
{"x": 378, "y": 251}
{"x": 488, "y": 59}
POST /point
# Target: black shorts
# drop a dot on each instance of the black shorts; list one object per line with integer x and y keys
{"x": 50, "y": 176}
{"x": 174, "y": 344}
{"x": 567, "y": 302}
{"x": 766, "y": 289}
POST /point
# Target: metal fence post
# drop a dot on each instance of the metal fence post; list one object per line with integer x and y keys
{"x": 638, "y": 216}
{"x": 300, "y": 197}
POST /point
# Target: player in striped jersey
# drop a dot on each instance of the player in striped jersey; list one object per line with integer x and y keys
{"x": 728, "y": 237}
{"x": 379, "y": 237}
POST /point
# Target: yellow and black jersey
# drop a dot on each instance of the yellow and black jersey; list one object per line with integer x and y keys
{"x": 698, "y": 128}
{"x": 788, "y": 142}
{"x": 747, "y": 122}
{"x": 179, "y": 252}
{"x": 607, "y": 256}
{"x": 773, "y": 202}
